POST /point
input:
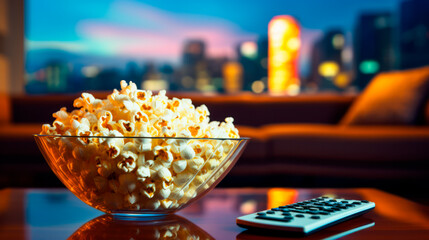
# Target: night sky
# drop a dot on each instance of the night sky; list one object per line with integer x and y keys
{"x": 154, "y": 29}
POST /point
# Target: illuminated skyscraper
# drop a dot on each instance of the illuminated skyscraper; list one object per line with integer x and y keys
{"x": 283, "y": 49}
{"x": 414, "y": 33}
{"x": 373, "y": 46}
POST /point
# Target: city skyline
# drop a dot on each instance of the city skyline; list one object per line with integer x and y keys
{"x": 163, "y": 45}
{"x": 156, "y": 30}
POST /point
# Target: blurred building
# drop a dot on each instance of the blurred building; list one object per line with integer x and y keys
{"x": 414, "y": 33}
{"x": 263, "y": 57}
{"x": 133, "y": 72}
{"x": 373, "y": 46}
{"x": 215, "y": 69}
{"x": 247, "y": 56}
{"x": 326, "y": 60}
{"x": 57, "y": 73}
{"x": 193, "y": 62}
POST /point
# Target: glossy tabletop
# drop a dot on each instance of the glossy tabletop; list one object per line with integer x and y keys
{"x": 58, "y": 214}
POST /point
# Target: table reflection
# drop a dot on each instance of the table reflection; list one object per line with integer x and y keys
{"x": 109, "y": 227}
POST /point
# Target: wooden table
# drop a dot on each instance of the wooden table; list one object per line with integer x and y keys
{"x": 57, "y": 214}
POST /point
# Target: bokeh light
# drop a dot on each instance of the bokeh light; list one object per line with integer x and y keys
{"x": 329, "y": 69}
{"x": 369, "y": 67}
{"x": 249, "y": 49}
{"x": 258, "y": 86}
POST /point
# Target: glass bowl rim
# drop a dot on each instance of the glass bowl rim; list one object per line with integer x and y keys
{"x": 133, "y": 137}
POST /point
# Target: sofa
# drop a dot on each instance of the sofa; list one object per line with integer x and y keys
{"x": 295, "y": 141}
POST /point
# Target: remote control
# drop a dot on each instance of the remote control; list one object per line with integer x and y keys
{"x": 307, "y": 216}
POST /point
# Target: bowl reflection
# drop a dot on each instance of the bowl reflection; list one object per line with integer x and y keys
{"x": 169, "y": 227}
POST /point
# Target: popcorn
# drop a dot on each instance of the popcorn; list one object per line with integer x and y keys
{"x": 148, "y": 190}
{"x": 135, "y": 150}
{"x": 127, "y": 162}
{"x": 143, "y": 173}
{"x": 179, "y": 166}
{"x": 164, "y": 174}
{"x": 164, "y": 193}
{"x": 187, "y": 153}
{"x": 163, "y": 153}
{"x": 100, "y": 183}
{"x": 127, "y": 182}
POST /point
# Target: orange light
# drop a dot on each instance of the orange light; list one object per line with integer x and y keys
{"x": 342, "y": 80}
{"x": 283, "y": 52}
{"x": 232, "y": 75}
{"x": 281, "y": 196}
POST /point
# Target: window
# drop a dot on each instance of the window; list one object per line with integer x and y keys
{"x": 217, "y": 46}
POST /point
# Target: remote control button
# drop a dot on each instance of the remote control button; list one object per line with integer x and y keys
{"x": 274, "y": 218}
{"x": 364, "y": 201}
{"x": 315, "y": 217}
{"x": 288, "y": 217}
{"x": 319, "y": 204}
{"x": 299, "y": 215}
{"x": 344, "y": 201}
{"x": 287, "y": 214}
{"x": 313, "y": 212}
{"x": 283, "y": 207}
{"x": 270, "y": 212}
{"x": 349, "y": 205}
{"x": 298, "y": 211}
{"x": 336, "y": 209}
{"x": 332, "y": 200}
{"x": 285, "y": 210}
{"x": 261, "y": 213}
{"x": 342, "y": 206}
{"x": 356, "y": 203}
{"x": 275, "y": 209}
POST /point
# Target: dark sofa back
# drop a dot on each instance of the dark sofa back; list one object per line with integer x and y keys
{"x": 249, "y": 110}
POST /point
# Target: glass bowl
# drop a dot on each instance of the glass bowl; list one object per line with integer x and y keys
{"x": 139, "y": 176}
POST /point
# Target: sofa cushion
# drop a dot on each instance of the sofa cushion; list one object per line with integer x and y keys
{"x": 354, "y": 146}
{"x": 392, "y": 98}
{"x": 256, "y": 150}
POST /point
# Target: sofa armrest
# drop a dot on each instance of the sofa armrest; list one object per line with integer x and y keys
{"x": 5, "y": 113}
